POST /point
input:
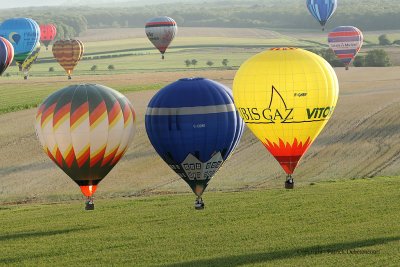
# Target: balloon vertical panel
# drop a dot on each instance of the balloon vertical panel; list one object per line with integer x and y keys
{"x": 322, "y": 10}
{"x": 6, "y": 54}
{"x": 23, "y": 33}
{"x": 68, "y": 53}
{"x": 161, "y": 31}
{"x": 286, "y": 96}
{"x": 346, "y": 42}
{"x": 77, "y": 124}
{"x": 194, "y": 127}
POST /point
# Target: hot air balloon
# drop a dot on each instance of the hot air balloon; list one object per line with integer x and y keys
{"x": 85, "y": 129}
{"x": 194, "y": 127}
{"x": 161, "y": 31}
{"x": 286, "y": 96}
{"x": 345, "y": 41}
{"x": 23, "y": 34}
{"x": 322, "y": 10}
{"x": 6, "y": 54}
{"x": 68, "y": 53}
{"x": 47, "y": 34}
{"x": 27, "y": 64}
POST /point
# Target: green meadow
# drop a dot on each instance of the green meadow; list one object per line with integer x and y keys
{"x": 344, "y": 223}
{"x": 25, "y": 95}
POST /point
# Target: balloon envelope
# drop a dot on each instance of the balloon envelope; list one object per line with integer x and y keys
{"x": 161, "y": 31}
{"x": 47, "y": 34}
{"x": 68, "y": 53}
{"x": 6, "y": 54}
{"x": 194, "y": 127}
{"x": 286, "y": 96}
{"x": 23, "y": 34}
{"x": 85, "y": 129}
{"x": 345, "y": 41}
{"x": 322, "y": 10}
{"x": 27, "y": 64}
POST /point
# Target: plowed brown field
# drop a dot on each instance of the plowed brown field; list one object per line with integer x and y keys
{"x": 361, "y": 140}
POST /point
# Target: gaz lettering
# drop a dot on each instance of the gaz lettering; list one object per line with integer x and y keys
{"x": 268, "y": 114}
{"x": 318, "y": 113}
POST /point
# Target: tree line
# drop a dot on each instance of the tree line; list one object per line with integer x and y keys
{"x": 277, "y": 14}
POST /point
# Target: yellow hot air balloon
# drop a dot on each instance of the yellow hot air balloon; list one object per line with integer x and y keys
{"x": 286, "y": 96}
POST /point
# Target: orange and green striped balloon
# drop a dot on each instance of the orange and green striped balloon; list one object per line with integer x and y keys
{"x": 68, "y": 53}
{"x": 85, "y": 129}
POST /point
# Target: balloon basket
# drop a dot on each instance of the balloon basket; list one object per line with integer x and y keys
{"x": 199, "y": 204}
{"x": 89, "y": 204}
{"x": 25, "y": 77}
{"x": 289, "y": 184}
{"x": 69, "y": 77}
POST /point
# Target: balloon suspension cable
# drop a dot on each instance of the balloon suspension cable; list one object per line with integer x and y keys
{"x": 199, "y": 203}
{"x": 289, "y": 184}
{"x": 89, "y": 203}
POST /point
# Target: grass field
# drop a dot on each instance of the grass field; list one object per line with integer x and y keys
{"x": 202, "y": 44}
{"x": 347, "y": 223}
{"x": 26, "y": 95}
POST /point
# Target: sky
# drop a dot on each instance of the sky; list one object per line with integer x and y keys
{"x": 4, "y": 4}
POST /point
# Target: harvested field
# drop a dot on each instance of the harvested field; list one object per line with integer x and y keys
{"x": 124, "y": 33}
{"x": 361, "y": 140}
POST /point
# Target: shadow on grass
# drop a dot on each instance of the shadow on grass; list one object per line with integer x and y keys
{"x": 254, "y": 258}
{"x": 33, "y": 234}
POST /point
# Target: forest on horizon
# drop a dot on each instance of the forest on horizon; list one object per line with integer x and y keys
{"x": 275, "y": 14}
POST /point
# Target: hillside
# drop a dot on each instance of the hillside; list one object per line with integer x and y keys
{"x": 359, "y": 141}
{"x": 348, "y": 223}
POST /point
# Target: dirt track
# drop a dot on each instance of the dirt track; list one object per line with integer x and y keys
{"x": 361, "y": 140}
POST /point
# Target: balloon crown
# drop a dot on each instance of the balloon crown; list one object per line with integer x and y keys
{"x": 283, "y": 48}
{"x": 191, "y": 79}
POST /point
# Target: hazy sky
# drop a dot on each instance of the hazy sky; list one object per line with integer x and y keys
{"x": 27, "y": 3}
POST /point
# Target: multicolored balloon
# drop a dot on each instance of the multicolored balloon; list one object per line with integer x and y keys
{"x": 161, "y": 31}
{"x": 6, "y": 54}
{"x": 194, "y": 127}
{"x": 23, "y": 34}
{"x": 322, "y": 10}
{"x": 85, "y": 129}
{"x": 27, "y": 64}
{"x": 345, "y": 41}
{"x": 68, "y": 53}
{"x": 47, "y": 34}
{"x": 286, "y": 96}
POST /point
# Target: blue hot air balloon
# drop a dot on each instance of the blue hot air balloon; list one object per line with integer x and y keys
{"x": 23, "y": 34}
{"x": 194, "y": 127}
{"x": 322, "y": 10}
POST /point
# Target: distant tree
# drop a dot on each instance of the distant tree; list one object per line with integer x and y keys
{"x": 94, "y": 68}
{"x": 397, "y": 42}
{"x": 8, "y": 74}
{"x": 188, "y": 62}
{"x": 51, "y": 69}
{"x": 194, "y": 62}
{"x": 384, "y": 40}
{"x": 377, "y": 58}
{"x": 330, "y": 56}
{"x": 225, "y": 62}
{"x": 359, "y": 61}
{"x": 111, "y": 67}
{"x": 210, "y": 63}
